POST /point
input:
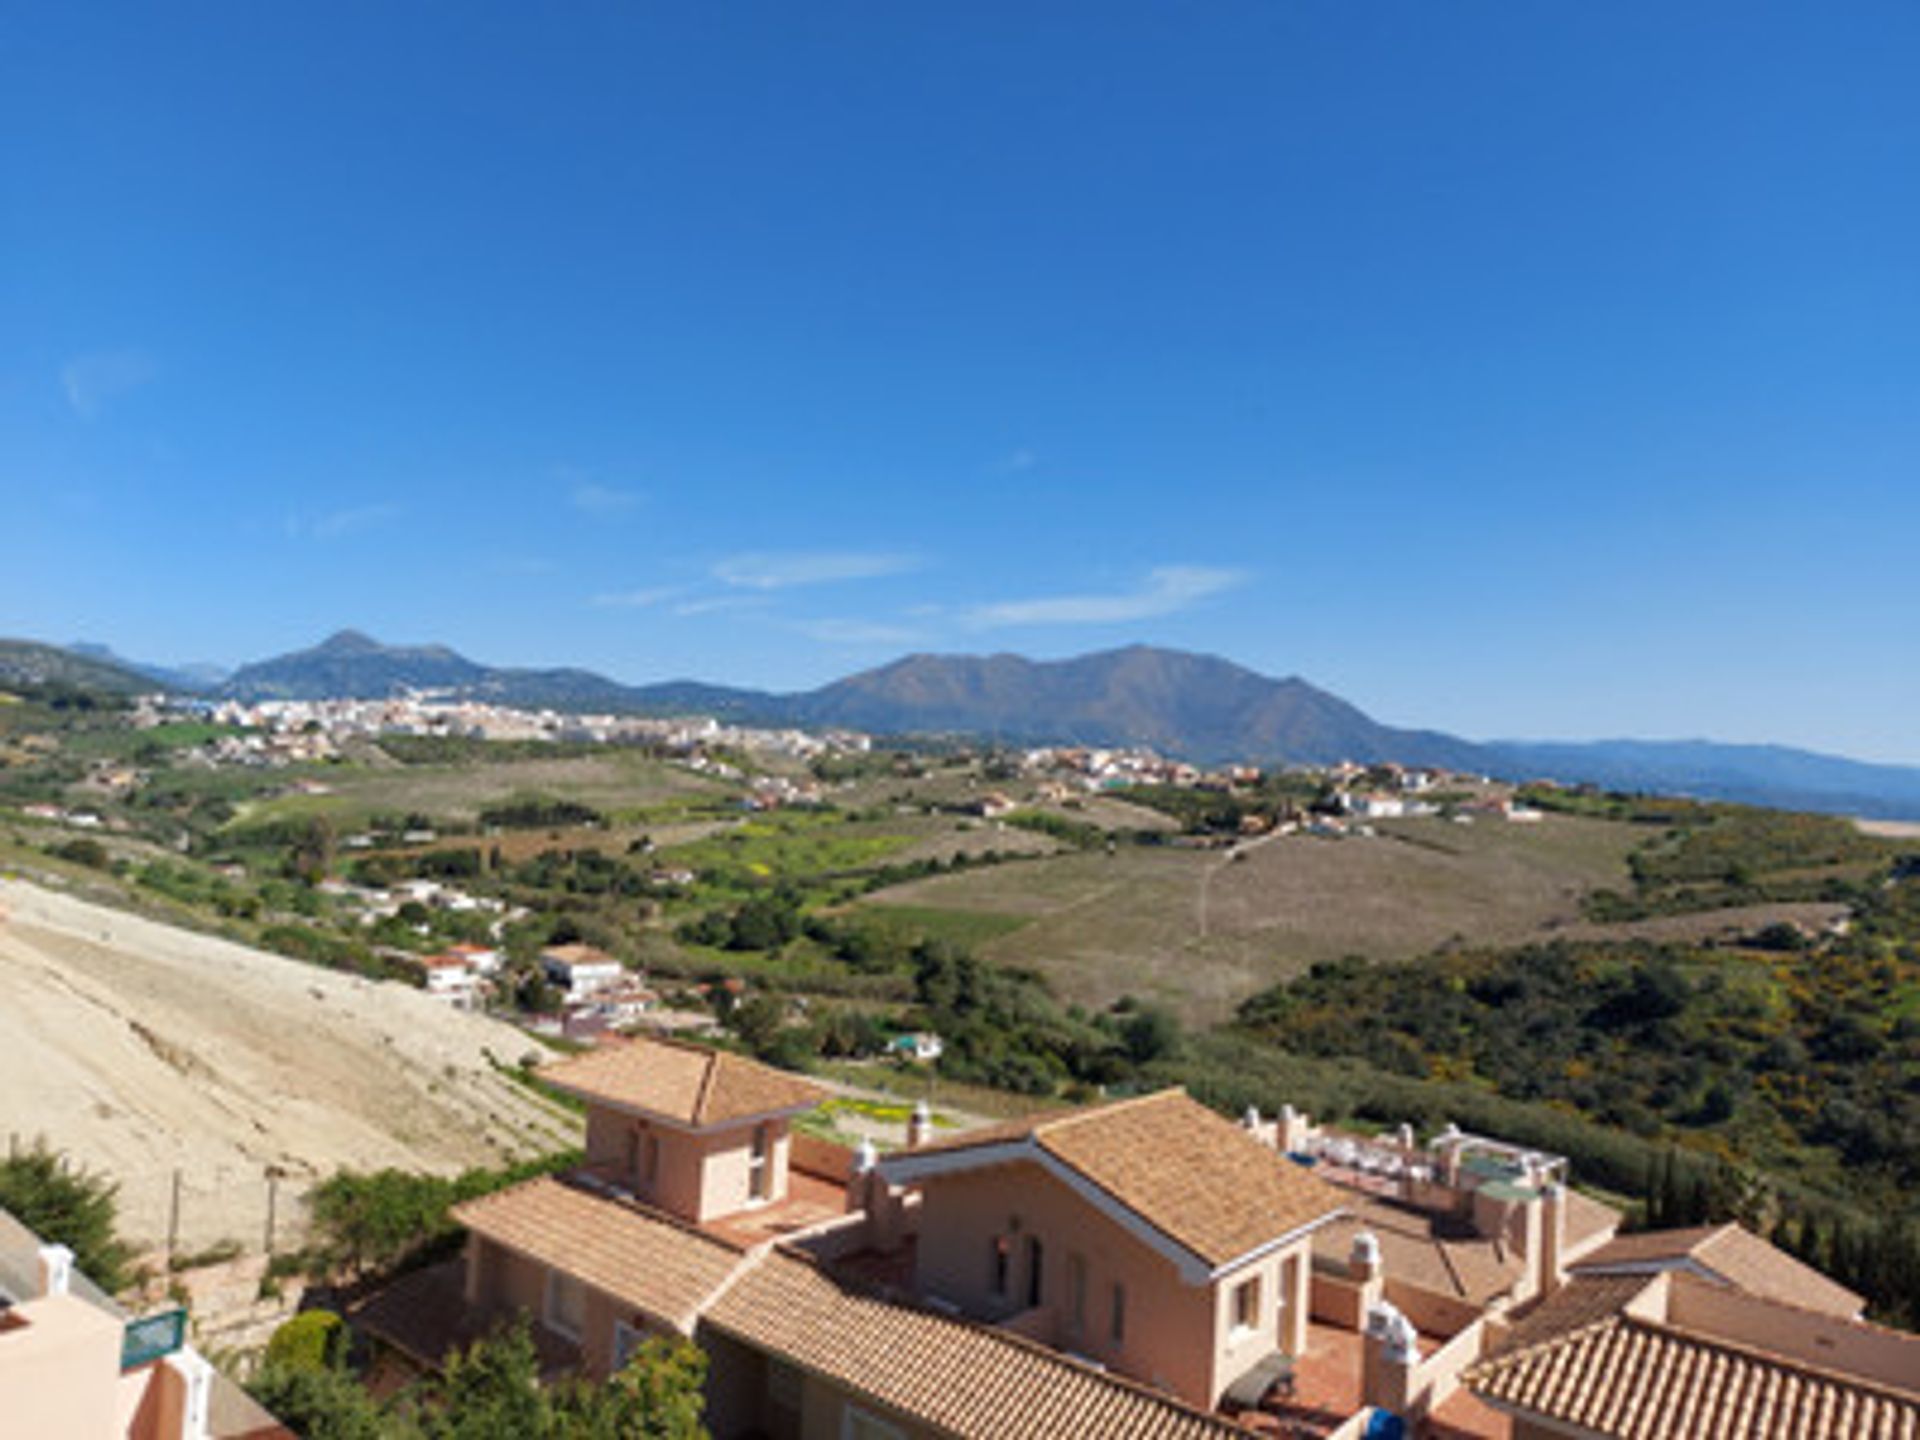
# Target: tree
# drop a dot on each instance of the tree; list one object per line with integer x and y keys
{"x": 67, "y": 1206}
{"x": 323, "y": 1404}
{"x": 1151, "y": 1033}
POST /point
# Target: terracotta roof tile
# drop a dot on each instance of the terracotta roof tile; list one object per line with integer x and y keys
{"x": 685, "y": 1083}
{"x": 1737, "y": 1256}
{"x": 1585, "y": 1359}
{"x": 640, "y": 1257}
{"x": 955, "y": 1377}
{"x": 1199, "y": 1179}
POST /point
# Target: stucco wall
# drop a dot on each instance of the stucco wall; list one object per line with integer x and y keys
{"x": 1176, "y": 1334}
{"x": 725, "y": 1161}
{"x": 59, "y": 1370}
{"x": 700, "y": 1176}
{"x": 508, "y": 1281}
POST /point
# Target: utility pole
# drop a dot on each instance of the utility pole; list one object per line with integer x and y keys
{"x": 273, "y": 1188}
{"x": 173, "y": 1218}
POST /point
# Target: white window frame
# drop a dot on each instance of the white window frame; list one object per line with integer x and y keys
{"x": 760, "y": 1165}
{"x": 1245, "y": 1300}
{"x": 550, "y": 1309}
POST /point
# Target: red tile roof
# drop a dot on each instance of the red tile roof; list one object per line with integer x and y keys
{"x": 1601, "y": 1356}
{"x": 949, "y": 1375}
{"x": 1734, "y": 1254}
{"x": 682, "y": 1082}
{"x": 1197, "y": 1178}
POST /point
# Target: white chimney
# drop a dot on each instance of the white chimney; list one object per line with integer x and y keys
{"x": 56, "y": 1269}
{"x": 1389, "y": 1357}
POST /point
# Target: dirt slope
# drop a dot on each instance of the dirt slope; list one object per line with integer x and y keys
{"x": 140, "y": 1049}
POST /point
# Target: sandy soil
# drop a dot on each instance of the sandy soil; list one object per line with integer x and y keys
{"x": 140, "y": 1049}
{"x": 1891, "y": 829}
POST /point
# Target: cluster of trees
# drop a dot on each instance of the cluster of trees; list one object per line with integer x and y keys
{"x": 489, "y": 1391}
{"x": 1712, "y": 856}
{"x": 1645, "y": 1037}
{"x": 1220, "y": 812}
{"x": 385, "y": 1219}
{"x": 66, "y": 1205}
{"x": 540, "y": 812}
{"x": 1003, "y": 1027}
{"x": 765, "y": 922}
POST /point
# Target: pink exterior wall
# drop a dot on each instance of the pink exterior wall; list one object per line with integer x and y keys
{"x": 60, "y": 1371}
{"x": 1175, "y": 1334}
{"x": 1339, "y": 1301}
{"x": 700, "y": 1175}
{"x": 750, "y": 1393}
{"x": 506, "y": 1281}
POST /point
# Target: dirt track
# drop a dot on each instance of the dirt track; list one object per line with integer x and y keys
{"x": 139, "y": 1049}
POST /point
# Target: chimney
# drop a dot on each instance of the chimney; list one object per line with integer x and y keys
{"x": 860, "y": 1181}
{"x": 1363, "y": 1260}
{"x": 1390, "y": 1356}
{"x": 56, "y": 1269}
{"x": 1293, "y": 1130}
{"x": 920, "y": 1127}
{"x": 1553, "y": 1239}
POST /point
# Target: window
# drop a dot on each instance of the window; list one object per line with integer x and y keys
{"x": 1077, "y": 1293}
{"x": 566, "y": 1305}
{"x": 999, "y": 1263}
{"x": 1117, "y": 1330}
{"x": 626, "y": 1339}
{"x": 1035, "y": 1260}
{"x": 858, "y": 1424}
{"x": 653, "y": 1158}
{"x": 1246, "y": 1304}
{"x": 757, "y": 1163}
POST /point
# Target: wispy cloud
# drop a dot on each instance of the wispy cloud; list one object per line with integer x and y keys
{"x": 92, "y": 380}
{"x": 858, "y": 632}
{"x": 644, "y": 598}
{"x": 1166, "y": 590}
{"x": 775, "y": 570}
{"x": 720, "y": 604}
{"x": 338, "y": 524}
{"x": 603, "y": 500}
{"x": 1014, "y": 463}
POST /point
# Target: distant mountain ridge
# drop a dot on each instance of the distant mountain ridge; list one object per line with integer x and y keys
{"x": 1199, "y": 707}
{"x": 189, "y": 677}
{"x": 29, "y": 662}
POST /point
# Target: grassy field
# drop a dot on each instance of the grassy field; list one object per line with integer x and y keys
{"x": 624, "y": 785}
{"x": 1200, "y": 931}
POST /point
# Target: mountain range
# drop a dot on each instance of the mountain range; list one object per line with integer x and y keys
{"x": 1199, "y": 707}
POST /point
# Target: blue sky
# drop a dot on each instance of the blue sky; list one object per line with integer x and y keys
{"x": 1519, "y": 369}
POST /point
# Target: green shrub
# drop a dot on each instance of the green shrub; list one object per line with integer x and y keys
{"x": 311, "y": 1340}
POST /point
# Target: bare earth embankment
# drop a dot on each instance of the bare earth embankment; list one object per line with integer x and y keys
{"x": 139, "y": 1049}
